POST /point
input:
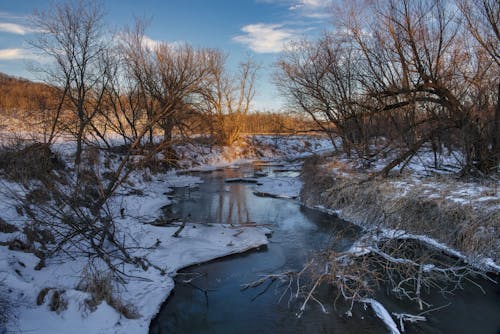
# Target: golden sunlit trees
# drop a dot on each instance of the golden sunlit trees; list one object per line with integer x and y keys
{"x": 227, "y": 98}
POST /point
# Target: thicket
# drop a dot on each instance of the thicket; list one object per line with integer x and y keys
{"x": 416, "y": 73}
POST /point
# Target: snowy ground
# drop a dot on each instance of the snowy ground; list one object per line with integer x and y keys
{"x": 197, "y": 243}
{"x": 140, "y": 202}
{"x": 280, "y": 187}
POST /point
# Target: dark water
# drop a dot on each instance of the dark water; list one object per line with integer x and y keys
{"x": 215, "y": 303}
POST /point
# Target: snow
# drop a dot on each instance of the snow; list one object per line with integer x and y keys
{"x": 421, "y": 179}
{"x": 197, "y": 244}
{"x": 382, "y": 313}
{"x": 148, "y": 289}
{"x": 281, "y": 187}
{"x": 138, "y": 202}
{"x": 203, "y": 158}
{"x": 361, "y": 248}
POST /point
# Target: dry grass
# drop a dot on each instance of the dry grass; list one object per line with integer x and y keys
{"x": 6, "y": 227}
{"x": 471, "y": 227}
{"x": 21, "y": 162}
{"x": 40, "y": 299}
{"x": 4, "y": 309}
{"x": 100, "y": 285}
{"x": 57, "y": 301}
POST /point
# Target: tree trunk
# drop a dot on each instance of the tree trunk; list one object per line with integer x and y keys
{"x": 79, "y": 143}
{"x": 496, "y": 131}
{"x": 168, "y": 127}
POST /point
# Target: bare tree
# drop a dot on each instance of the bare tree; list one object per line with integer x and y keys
{"x": 169, "y": 77}
{"x": 72, "y": 34}
{"x": 482, "y": 19}
{"x": 322, "y": 78}
{"x": 411, "y": 64}
{"x": 226, "y": 98}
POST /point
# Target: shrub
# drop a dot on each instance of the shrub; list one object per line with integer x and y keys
{"x": 6, "y": 227}
{"x": 21, "y": 162}
{"x": 100, "y": 286}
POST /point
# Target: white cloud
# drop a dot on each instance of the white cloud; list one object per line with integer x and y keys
{"x": 316, "y": 3}
{"x": 11, "y": 16}
{"x": 150, "y": 43}
{"x": 18, "y": 54}
{"x": 313, "y": 8}
{"x": 265, "y": 38}
{"x": 308, "y": 8}
{"x": 15, "y": 28}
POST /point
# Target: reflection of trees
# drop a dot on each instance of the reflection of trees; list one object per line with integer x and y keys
{"x": 237, "y": 209}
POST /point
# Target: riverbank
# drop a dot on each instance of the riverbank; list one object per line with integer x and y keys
{"x": 54, "y": 297}
{"x": 462, "y": 217}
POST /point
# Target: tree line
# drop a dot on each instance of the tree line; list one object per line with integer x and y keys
{"x": 123, "y": 84}
{"x": 424, "y": 72}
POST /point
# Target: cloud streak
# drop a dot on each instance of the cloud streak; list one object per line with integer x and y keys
{"x": 18, "y": 54}
{"x": 265, "y": 38}
{"x": 15, "y": 28}
{"x": 314, "y": 9}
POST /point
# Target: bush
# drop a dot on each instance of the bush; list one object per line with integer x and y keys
{"x": 22, "y": 162}
{"x": 6, "y": 227}
{"x": 100, "y": 286}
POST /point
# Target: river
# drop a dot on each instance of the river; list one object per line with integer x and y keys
{"x": 213, "y": 301}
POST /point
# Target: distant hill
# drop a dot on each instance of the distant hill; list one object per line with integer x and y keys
{"x": 19, "y": 94}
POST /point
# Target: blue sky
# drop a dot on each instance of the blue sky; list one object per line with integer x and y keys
{"x": 256, "y": 28}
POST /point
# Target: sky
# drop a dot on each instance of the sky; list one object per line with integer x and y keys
{"x": 243, "y": 28}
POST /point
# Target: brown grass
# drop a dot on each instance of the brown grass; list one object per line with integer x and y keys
{"x": 6, "y": 227}
{"x": 20, "y": 162}
{"x": 5, "y": 311}
{"x": 468, "y": 227}
{"x": 57, "y": 301}
{"x": 100, "y": 286}
{"x": 40, "y": 299}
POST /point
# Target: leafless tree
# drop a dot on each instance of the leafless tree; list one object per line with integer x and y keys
{"x": 482, "y": 19}
{"x": 72, "y": 34}
{"x": 322, "y": 78}
{"x": 169, "y": 76}
{"x": 227, "y": 98}
{"x": 412, "y": 64}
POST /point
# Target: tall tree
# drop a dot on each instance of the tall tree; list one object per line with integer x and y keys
{"x": 227, "y": 98}
{"x": 72, "y": 35}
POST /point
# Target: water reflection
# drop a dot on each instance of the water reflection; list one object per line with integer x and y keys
{"x": 232, "y": 205}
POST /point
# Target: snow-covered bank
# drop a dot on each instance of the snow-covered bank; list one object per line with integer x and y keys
{"x": 51, "y": 299}
{"x": 202, "y": 157}
{"x": 146, "y": 290}
{"x": 460, "y": 218}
